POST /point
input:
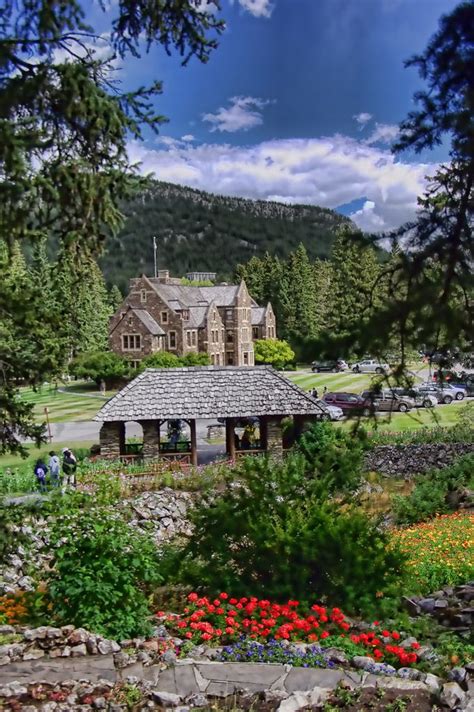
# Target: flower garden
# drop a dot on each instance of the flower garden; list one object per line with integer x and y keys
{"x": 281, "y": 564}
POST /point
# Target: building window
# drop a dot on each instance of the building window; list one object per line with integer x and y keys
{"x": 135, "y": 364}
{"x": 131, "y": 342}
{"x": 188, "y": 338}
{"x": 229, "y": 314}
{"x": 230, "y": 359}
{"x": 193, "y": 338}
{"x": 172, "y": 340}
{"x": 185, "y": 314}
{"x": 230, "y": 337}
{"x": 255, "y": 332}
{"x": 164, "y": 317}
{"x": 246, "y": 358}
{"x": 143, "y": 296}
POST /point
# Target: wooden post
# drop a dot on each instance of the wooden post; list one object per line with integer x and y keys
{"x": 194, "y": 452}
{"x": 230, "y": 437}
{"x": 262, "y": 424}
{"x": 50, "y": 436}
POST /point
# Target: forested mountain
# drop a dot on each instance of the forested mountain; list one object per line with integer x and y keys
{"x": 200, "y": 231}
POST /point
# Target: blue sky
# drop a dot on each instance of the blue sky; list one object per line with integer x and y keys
{"x": 299, "y": 103}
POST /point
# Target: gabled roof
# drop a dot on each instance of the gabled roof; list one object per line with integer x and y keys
{"x": 145, "y": 317}
{"x": 148, "y": 321}
{"x": 258, "y": 315}
{"x": 208, "y": 392}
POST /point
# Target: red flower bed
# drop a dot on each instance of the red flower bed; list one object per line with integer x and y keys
{"x": 225, "y": 620}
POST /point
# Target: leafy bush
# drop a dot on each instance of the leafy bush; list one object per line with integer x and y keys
{"x": 279, "y": 534}
{"x": 162, "y": 359}
{"x": 274, "y": 352}
{"x": 439, "y": 552}
{"x": 102, "y": 573}
{"x": 100, "y": 366}
{"x": 195, "y": 359}
{"x": 431, "y": 493}
{"x": 333, "y": 456}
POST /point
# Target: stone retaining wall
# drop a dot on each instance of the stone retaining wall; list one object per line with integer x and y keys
{"x": 399, "y": 460}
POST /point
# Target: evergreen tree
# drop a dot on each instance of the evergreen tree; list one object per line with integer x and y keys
{"x": 430, "y": 296}
{"x": 115, "y": 298}
{"x": 322, "y": 279}
{"x": 355, "y": 271}
{"x": 64, "y": 168}
{"x": 299, "y": 296}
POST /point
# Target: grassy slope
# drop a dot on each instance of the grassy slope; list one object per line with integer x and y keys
{"x": 34, "y": 453}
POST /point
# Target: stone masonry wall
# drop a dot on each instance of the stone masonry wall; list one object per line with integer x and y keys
{"x": 398, "y": 460}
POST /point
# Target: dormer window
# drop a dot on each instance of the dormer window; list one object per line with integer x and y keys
{"x": 185, "y": 315}
{"x": 143, "y": 296}
{"x": 164, "y": 317}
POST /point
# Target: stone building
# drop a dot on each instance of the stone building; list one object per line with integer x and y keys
{"x": 161, "y": 314}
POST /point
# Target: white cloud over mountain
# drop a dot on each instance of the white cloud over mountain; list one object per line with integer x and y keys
{"x": 328, "y": 171}
{"x": 243, "y": 114}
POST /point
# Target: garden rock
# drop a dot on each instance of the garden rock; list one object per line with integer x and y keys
{"x": 452, "y": 695}
{"x": 167, "y": 699}
{"x": 449, "y": 606}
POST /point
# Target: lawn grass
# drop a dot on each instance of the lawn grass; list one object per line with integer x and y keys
{"x": 14, "y": 461}
{"x": 348, "y": 381}
{"x": 63, "y": 407}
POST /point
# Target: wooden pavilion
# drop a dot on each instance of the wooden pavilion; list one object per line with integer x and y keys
{"x": 230, "y": 394}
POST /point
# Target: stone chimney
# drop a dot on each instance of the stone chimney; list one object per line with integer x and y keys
{"x": 163, "y": 276}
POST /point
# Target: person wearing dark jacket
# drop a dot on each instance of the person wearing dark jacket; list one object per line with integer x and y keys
{"x": 69, "y": 467}
{"x": 40, "y": 473}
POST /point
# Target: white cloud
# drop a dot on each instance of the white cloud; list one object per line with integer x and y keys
{"x": 367, "y": 218}
{"x": 383, "y": 133}
{"x": 362, "y": 119}
{"x": 187, "y": 138}
{"x": 328, "y": 171}
{"x": 243, "y": 114}
{"x": 257, "y": 8}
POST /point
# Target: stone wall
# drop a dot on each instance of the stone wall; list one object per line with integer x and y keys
{"x": 399, "y": 460}
{"x": 161, "y": 514}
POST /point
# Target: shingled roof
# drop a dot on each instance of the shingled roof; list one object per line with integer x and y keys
{"x": 208, "y": 392}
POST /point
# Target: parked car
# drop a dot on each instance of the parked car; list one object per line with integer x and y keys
{"x": 445, "y": 393}
{"x": 387, "y": 400}
{"x": 421, "y": 400}
{"x": 466, "y": 381}
{"x": 330, "y": 365}
{"x": 349, "y": 403}
{"x": 331, "y": 412}
{"x": 370, "y": 365}
{"x": 445, "y": 376}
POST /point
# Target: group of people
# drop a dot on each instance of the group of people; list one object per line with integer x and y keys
{"x": 314, "y": 392}
{"x": 60, "y": 474}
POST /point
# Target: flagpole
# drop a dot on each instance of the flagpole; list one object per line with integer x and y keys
{"x": 154, "y": 253}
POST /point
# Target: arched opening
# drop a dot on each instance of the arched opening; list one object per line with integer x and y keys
{"x": 133, "y": 442}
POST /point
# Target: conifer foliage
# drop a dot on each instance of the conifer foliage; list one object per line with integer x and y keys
{"x": 64, "y": 168}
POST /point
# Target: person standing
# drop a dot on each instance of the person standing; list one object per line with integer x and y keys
{"x": 69, "y": 467}
{"x": 40, "y": 474}
{"x": 54, "y": 469}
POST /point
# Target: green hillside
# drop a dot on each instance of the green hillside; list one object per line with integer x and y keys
{"x": 199, "y": 231}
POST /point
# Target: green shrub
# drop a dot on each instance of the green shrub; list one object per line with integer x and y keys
{"x": 102, "y": 574}
{"x": 278, "y": 534}
{"x": 162, "y": 359}
{"x": 100, "y": 366}
{"x": 431, "y": 493}
{"x": 195, "y": 359}
{"x": 275, "y": 352}
{"x": 333, "y": 456}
